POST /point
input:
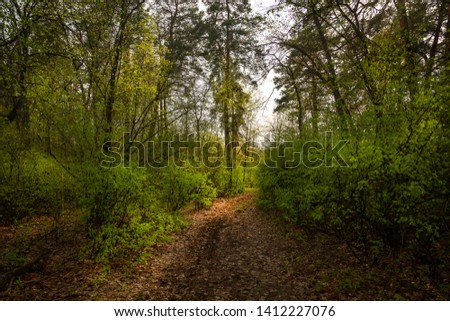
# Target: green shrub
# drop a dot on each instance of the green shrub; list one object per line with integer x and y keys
{"x": 393, "y": 195}
{"x": 32, "y": 183}
{"x": 220, "y": 179}
{"x": 226, "y": 185}
{"x": 237, "y": 182}
{"x": 120, "y": 211}
{"x": 181, "y": 186}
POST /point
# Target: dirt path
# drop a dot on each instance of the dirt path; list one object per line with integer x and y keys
{"x": 231, "y": 251}
{"x": 234, "y": 251}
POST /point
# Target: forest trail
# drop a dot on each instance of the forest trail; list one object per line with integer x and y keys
{"x": 228, "y": 252}
{"x": 231, "y": 251}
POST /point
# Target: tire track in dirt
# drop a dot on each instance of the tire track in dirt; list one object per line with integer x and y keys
{"x": 229, "y": 252}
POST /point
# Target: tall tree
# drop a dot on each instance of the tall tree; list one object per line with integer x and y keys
{"x": 21, "y": 23}
{"x": 235, "y": 57}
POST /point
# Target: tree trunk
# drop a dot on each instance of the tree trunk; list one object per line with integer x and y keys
{"x": 405, "y": 34}
{"x": 118, "y": 44}
{"x": 21, "y": 112}
{"x": 434, "y": 46}
{"x": 226, "y": 104}
{"x": 339, "y": 100}
{"x": 447, "y": 39}
{"x": 315, "y": 107}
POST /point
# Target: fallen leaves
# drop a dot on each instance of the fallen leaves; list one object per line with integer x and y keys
{"x": 231, "y": 251}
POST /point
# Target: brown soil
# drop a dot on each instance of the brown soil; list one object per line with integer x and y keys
{"x": 231, "y": 251}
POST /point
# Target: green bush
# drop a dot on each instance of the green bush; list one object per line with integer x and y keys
{"x": 250, "y": 176}
{"x": 393, "y": 194}
{"x": 220, "y": 179}
{"x": 237, "y": 182}
{"x": 181, "y": 186}
{"x": 226, "y": 185}
{"x": 123, "y": 211}
{"x": 31, "y": 183}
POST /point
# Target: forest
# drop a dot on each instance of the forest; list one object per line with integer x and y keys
{"x": 135, "y": 164}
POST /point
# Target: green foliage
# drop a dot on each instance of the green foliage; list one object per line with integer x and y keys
{"x": 112, "y": 241}
{"x": 393, "y": 194}
{"x": 62, "y": 97}
{"x": 249, "y": 176}
{"x": 227, "y": 182}
{"x": 15, "y": 257}
{"x": 390, "y": 101}
{"x": 220, "y": 179}
{"x": 237, "y": 185}
{"x": 181, "y": 186}
{"x": 31, "y": 182}
{"x": 128, "y": 209}
{"x": 123, "y": 212}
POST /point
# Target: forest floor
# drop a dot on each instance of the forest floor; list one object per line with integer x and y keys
{"x": 231, "y": 251}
